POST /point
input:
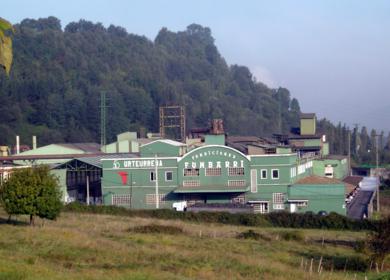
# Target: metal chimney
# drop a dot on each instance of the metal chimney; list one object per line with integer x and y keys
{"x": 17, "y": 144}
{"x": 34, "y": 142}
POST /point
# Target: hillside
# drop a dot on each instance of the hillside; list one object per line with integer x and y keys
{"x": 86, "y": 246}
{"x": 59, "y": 73}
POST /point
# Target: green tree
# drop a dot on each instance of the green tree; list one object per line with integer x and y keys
{"x": 5, "y": 45}
{"x": 32, "y": 191}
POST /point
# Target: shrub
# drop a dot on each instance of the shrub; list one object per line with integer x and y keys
{"x": 292, "y": 235}
{"x": 276, "y": 219}
{"x": 379, "y": 241}
{"x": 250, "y": 234}
{"x": 159, "y": 229}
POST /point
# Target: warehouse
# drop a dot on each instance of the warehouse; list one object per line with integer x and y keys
{"x": 165, "y": 172}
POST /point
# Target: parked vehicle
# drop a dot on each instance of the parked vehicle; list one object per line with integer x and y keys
{"x": 180, "y": 206}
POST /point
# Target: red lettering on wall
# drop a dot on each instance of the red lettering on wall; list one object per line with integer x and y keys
{"x": 124, "y": 177}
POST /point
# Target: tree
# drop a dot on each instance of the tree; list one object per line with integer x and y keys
{"x": 5, "y": 45}
{"x": 32, "y": 191}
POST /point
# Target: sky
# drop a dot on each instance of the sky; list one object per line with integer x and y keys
{"x": 332, "y": 55}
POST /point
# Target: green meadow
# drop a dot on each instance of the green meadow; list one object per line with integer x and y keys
{"x": 90, "y": 246}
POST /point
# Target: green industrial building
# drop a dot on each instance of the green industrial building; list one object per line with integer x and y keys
{"x": 165, "y": 172}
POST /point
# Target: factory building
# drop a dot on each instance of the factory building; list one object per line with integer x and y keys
{"x": 165, "y": 172}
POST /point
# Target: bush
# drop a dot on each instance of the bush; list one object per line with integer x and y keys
{"x": 250, "y": 234}
{"x": 159, "y": 229}
{"x": 292, "y": 235}
{"x": 379, "y": 241}
{"x": 276, "y": 219}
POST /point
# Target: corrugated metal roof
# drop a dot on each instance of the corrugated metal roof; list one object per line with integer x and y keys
{"x": 369, "y": 183}
{"x": 167, "y": 141}
{"x": 85, "y": 147}
{"x": 96, "y": 160}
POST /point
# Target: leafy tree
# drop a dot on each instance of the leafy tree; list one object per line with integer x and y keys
{"x": 5, "y": 45}
{"x": 32, "y": 191}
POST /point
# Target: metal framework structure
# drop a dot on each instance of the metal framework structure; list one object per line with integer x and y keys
{"x": 172, "y": 122}
{"x": 103, "y": 108}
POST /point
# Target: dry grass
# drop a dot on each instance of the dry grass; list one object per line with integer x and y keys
{"x": 85, "y": 246}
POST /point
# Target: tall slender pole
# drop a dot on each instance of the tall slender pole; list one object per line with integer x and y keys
{"x": 349, "y": 152}
{"x": 156, "y": 178}
{"x": 87, "y": 189}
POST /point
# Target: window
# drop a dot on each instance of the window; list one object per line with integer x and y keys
{"x": 263, "y": 173}
{"x": 236, "y": 183}
{"x": 278, "y": 201}
{"x": 191, "y": 183}
{"x": 152, "y": 176}
{"x": 168, "y": 176}
{"x": 121, "y": 199}
{"x": 213, "y": 172}
{"x": 191, "y": 172}
{"x": 236, "y": 171}
{"x": 275, "y": 173}
{"x": 151, "y": 199}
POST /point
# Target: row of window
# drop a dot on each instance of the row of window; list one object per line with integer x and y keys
{"x": 231, "y": 183}
{"x": 232, "y": 171}
{"x": 168, "y": 176}
{"x": 274, "y": 174}
{"x": 125, "y": 199}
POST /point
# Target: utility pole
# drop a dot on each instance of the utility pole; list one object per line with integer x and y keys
{"x": 349, "y": 152}
{"x": 377, "y": 173}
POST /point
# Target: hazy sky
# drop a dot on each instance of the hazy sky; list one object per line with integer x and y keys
{"x": 334, "y": 56}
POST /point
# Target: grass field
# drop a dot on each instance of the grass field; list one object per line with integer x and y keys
{"x": 86, "y": 246}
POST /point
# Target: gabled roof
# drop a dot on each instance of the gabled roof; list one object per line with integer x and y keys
{"x": 318, "y": 180}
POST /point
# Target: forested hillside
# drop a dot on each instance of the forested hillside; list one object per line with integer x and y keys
{"x": 54, "y": 87}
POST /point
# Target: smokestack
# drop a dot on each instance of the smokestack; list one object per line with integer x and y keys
{"x": 34, "y": 142}
{"x": 17, "y": 144}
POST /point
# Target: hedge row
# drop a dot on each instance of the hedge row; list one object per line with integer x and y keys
{"x": 276, "y": 219}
